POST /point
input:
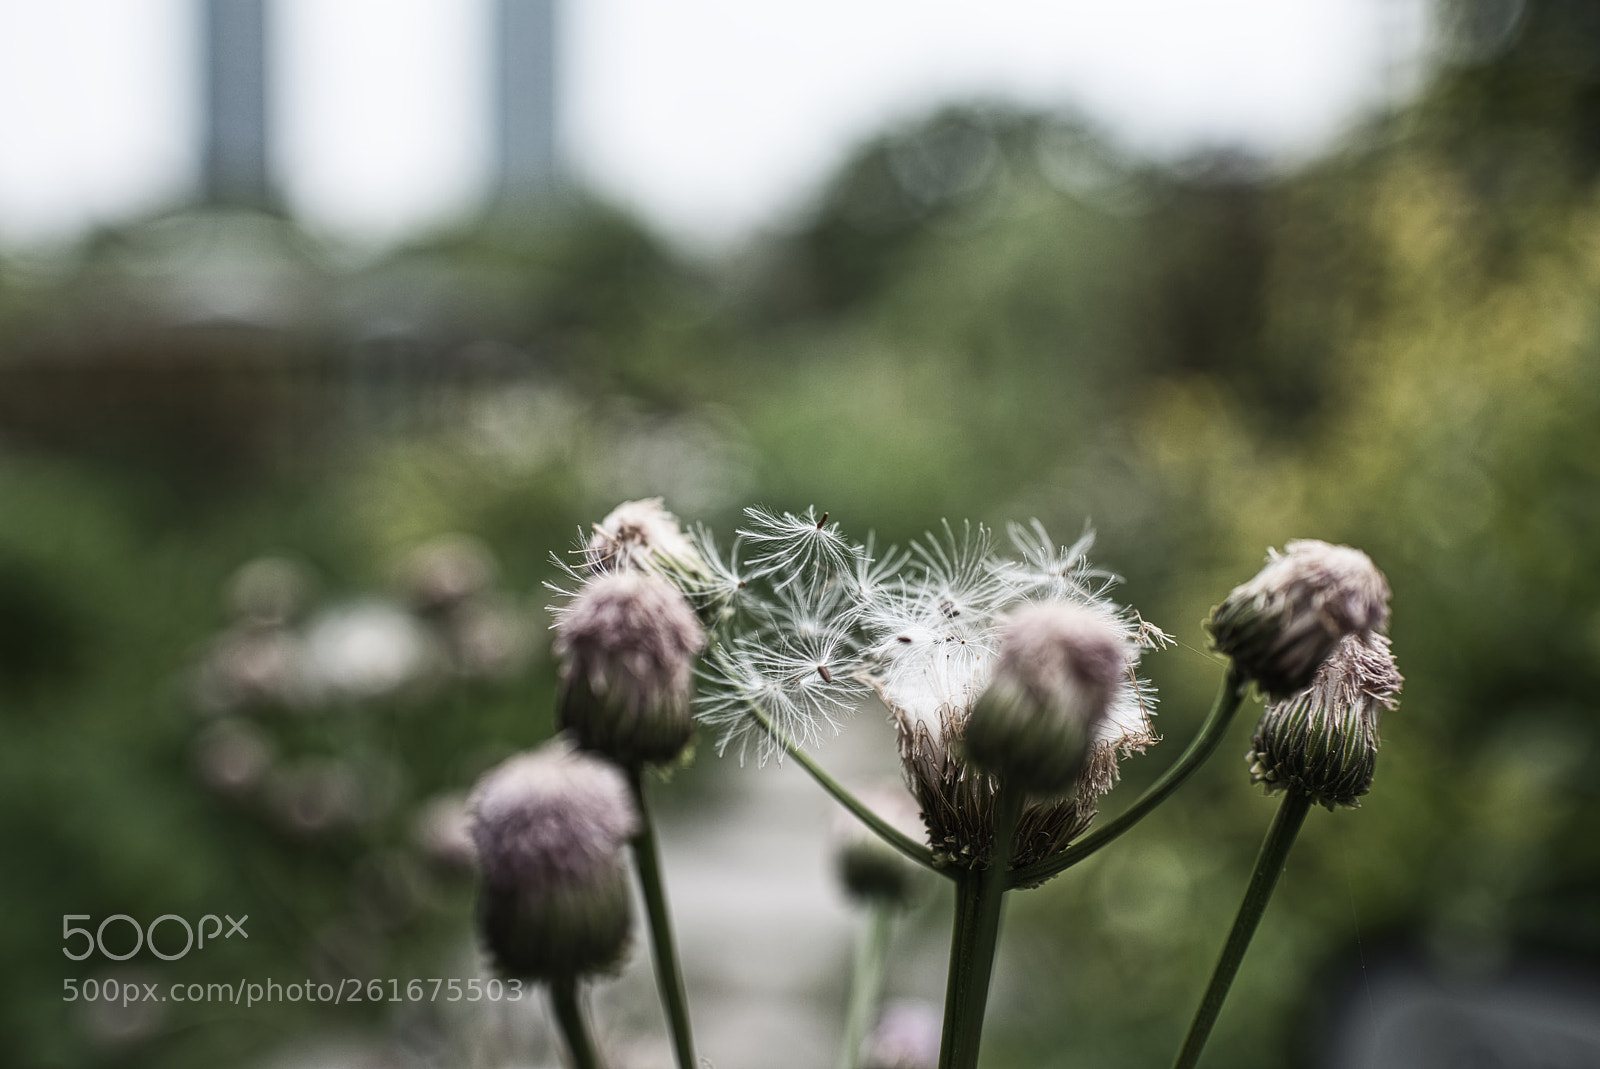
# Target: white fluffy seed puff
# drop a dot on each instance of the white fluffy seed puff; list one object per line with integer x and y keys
{"x": 627, "y": 645}
{"x": 550, "y": 826}
{"x": 939, "y": 641}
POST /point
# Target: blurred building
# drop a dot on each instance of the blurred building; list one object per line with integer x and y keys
{"x": 220, "y": 332}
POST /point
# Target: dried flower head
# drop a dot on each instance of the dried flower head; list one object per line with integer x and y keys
{"x": 870, "y": 869}
{"x": 1281, "y": 625}
{"x": 938, "y": 645}
{"x": 819, "y": 621}
{"x": 549, "y": 827}
{"x": 1324, "y": 739}
{"x": 627, "y": 644}
{"x": 1059, "y": 665}
{"x": 640, "y": 536}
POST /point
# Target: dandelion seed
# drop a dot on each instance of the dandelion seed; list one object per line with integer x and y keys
{"x": 960, "y": 576}
{"x": 1048, "y": 571}
{"x": 803, "y": 686}
{"x": 872, "y": 576}
{"x": 722, "y": 584}
{"x": 791, "y": 548}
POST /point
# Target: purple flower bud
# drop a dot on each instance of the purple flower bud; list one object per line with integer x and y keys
{"x": 628, "y": 643}
{"x": 1282, "y": 624}
{"x": 549, "y": 827}
{"x": 1060, "y": 664}
{"x": 1324, "y": 739}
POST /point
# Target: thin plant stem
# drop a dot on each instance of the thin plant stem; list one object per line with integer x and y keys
{"x": 980, "y": 894}
{"x": 669, "y": 975}
{"x": 866, "y": 980}
{"x": 1269, "y": 863}
{"x": 883, "y": 829}
{"x": 1229, "y": 697}
{"x": 569, "y": 1016}
{"x": 963, "y": 940}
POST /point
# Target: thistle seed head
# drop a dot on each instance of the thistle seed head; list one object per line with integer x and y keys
{"x": 1324, "y": 739}
{"x": 627, "y": 644}
{"x": 640, "y": 536}
{"x": 1059, "y": 666}
{"x": 958, "y": 800}
{"x": 1282, "y": 624}
{"x": 549, "y": 827}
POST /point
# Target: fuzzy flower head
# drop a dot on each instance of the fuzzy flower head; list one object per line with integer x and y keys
{"x": 640, "y": 536}
{"x": 549, "y": 827}
{"x": 817, "y": 623}
{"x": 1059, "y": 665}
{"x": 627, "y": 644}
{"x": 938, "y": 650}
{"x": 1281, "y": 625}
{"x": 1324, "y": 739}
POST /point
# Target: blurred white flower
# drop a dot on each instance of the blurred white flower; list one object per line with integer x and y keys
{"x": 367, "y": 649}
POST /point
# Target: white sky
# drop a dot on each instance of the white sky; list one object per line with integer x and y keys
{"x": 710, "y": 117}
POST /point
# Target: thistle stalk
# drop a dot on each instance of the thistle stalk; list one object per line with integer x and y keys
{"x": 1269, "y": 863}
{"x": 1229, "y": 697}
{"x": 669, "y": 974}
{"x": 866, "y": 981}
{"x": 569, "y": 1017}
{"x": 980, "y": 895}
{"x": 883, "y": 829}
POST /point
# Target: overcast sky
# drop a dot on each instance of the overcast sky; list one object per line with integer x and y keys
{"x": 710, "y": 117}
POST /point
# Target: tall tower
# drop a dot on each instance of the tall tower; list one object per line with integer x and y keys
{"x": 234, "y": 150}
{"x": 525, "y": 98}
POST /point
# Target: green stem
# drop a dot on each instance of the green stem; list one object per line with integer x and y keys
{"x": 866, "y": 981}
{"x": 1269, "y": 863}
{"x": 569, "y": 1015}
{"x": 1229, "y": 697}
{"x": 883, "y": 829}
{"x": 669, "y": 975}
{"x": 963, "y": 949}
{"x": 980, "y": 893}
